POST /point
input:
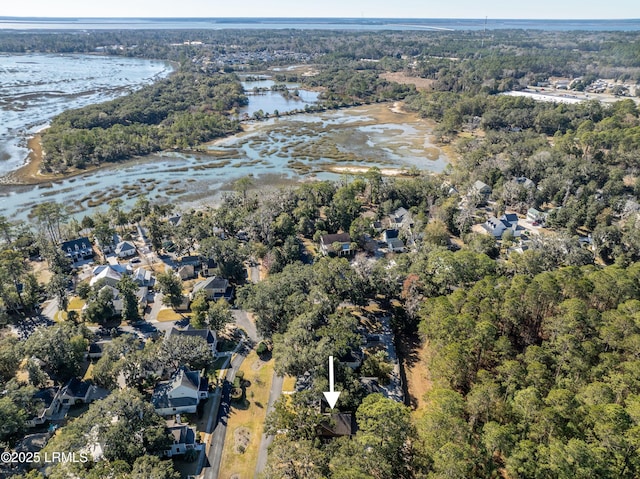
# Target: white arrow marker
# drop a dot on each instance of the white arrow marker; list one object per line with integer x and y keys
{"x": 331, "y": 396}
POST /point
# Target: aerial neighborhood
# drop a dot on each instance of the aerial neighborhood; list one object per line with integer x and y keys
{"x": 423, "y": 264}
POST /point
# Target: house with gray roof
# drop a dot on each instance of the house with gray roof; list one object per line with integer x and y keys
{"x": 76, "y": 392}
{"x": 181, "y": 393}
{"x": 47, "y": 403}
{"x": 78, "y": 249}
{"x": 215, "y": 287}
{"x": 507, "y": 222}
{"x": 184, "y": 439}
{"x": 125, "y": 249}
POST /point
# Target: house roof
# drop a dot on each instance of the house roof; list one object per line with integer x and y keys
{"x": 125, "y": 246}
{"x": 47, "y": 395}
{"x": 351, "y": 356}
{"x": 182, "y": 434}
{"x": 400, "y": 212}
{"x": 190, "y": 260}
{"x": 391, "y": 234}
{"x": 175, "y": 220}
{"x": 335, "y": 238}
{"x": 141, "y": 275}
{"x": 215, "y": 282}
{"x": 510, "y": 217}
{"x": 481, "y": 187}
{"x": 206, "y": 334}
{"x": 182, "y": 377}
{"x": 107, "y": 272}
{"x": 76, "y": 388}
{"x": 344, "y": 424}
{"x": 186, "y": 378}
{"x": 97, "y": 347}
{"x": 395, "y": 243}
{"x": 81, "y": 243}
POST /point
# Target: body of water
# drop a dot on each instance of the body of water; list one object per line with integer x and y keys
{"x": 270, "y": 101}
{"x": 35, "y": 23}
{"x": 35, "y": 88}
{"x": 275, "y": 152}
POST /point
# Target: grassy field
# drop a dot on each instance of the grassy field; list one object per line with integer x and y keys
{"x": 247, "y": 420}
{"x": 76, "y": 303}
{"x": 289, "y": 383}
{"x": 169, "y": 314}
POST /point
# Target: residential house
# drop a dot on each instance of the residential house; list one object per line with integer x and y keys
{"x": 109, "y": 245}
{"x": 109, "y": 274}
{"x": 143, "y": 277}
{"x": 186, "y": 271}
{"x": 208, "y": 267}
{"x": 184, "y": 439}
{"x": 76, "y": 392}
{"x": 78, "y": 249}
{"x": 175, "y": 220}
{"x": 96, "y": 349}
{"x": 209, "y": 336}
{"x": 215, "y": 287}
{"x": 393, "y": 242}
{"x": 507, "y": 222}
{"x": 482, "y": 189}
{"x": 48, "y": 404}
{"x": 337, "y": 425}
{"x": 400, "y": 219}
{"x": 181, "y": 393}
{"x": 526, "y": 182}
{"x": 194, "y": 261}
{"x": 339, "y": 244}
{"x": 536, "y": 216}
{"x": 352, "y": 358}
{"x": 125, "y": 249}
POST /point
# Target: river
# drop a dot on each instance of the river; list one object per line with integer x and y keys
{"x": 34, "y": 88}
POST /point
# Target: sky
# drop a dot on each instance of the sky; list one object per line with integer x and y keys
{"x": 543, "y": 9}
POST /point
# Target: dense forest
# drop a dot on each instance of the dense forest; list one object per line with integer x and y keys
{"x": 182, "y": 111}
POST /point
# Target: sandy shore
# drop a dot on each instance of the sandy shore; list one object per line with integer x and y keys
{"x": 29, "y": 173}
{"x": 360, "y": 170}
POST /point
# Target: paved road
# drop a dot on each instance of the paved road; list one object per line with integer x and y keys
{"x": 274, "y": 394}
{"x": 243, "y": 321}
{"x": 217, "y": 442}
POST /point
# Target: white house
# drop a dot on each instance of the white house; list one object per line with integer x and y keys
{"x": 110, "y": 274}
{"x": 184, "y": 439}
{"x": 125, "y": 249}
{"x": 507, "y": 222}
{"x": 339, "y": 244}
{"x": 76, "y": 392}
{"x": 181, "y": 394}
{"x": 48, "y": 403}
{"x": 215, "y": 288}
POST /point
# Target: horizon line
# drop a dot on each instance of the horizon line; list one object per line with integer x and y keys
{"x": 486, "y": 18}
